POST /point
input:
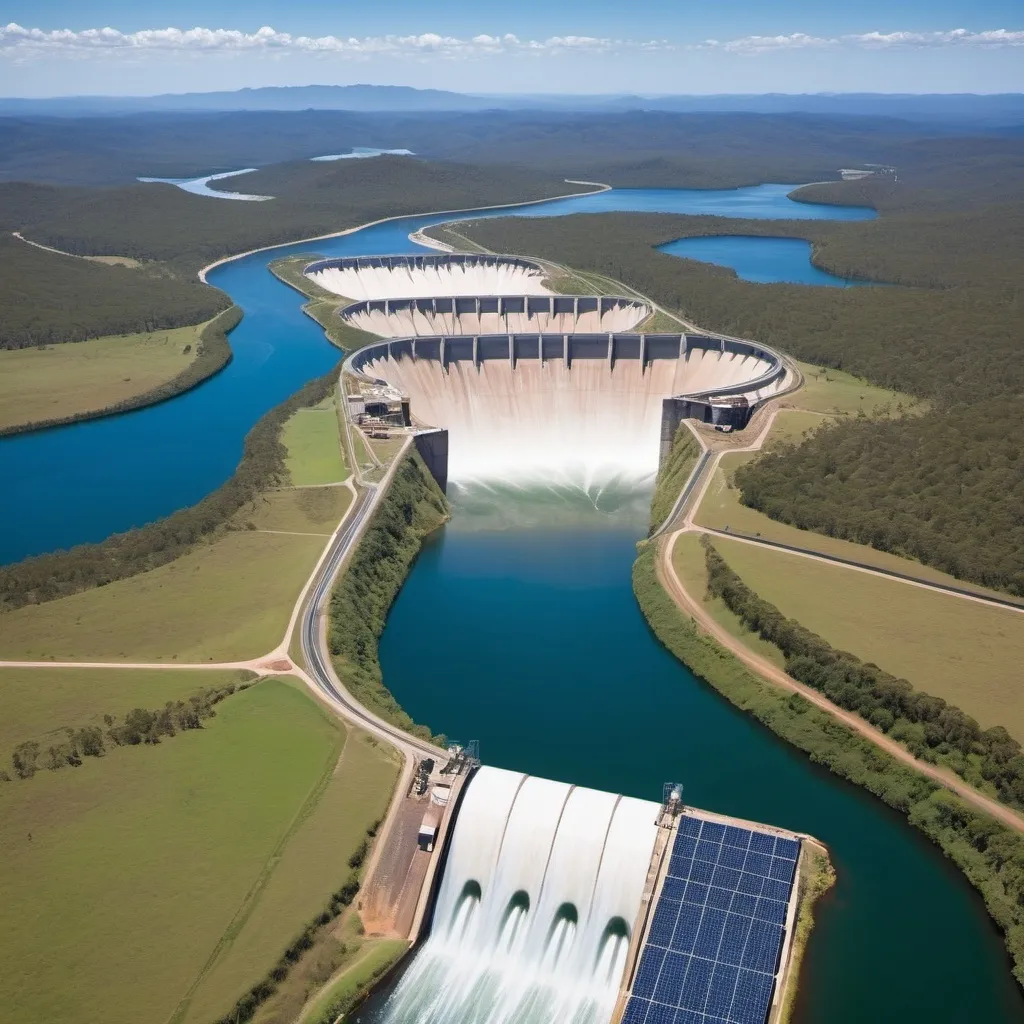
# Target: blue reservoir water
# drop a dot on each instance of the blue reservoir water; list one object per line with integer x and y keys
{"x": 529, "y": 639}
{"x": 759, "y": 259}
{"x": 125, "y": 471}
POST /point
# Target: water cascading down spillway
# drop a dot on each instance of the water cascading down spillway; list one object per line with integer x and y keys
{"x": 534, "y": 387}
{"x": 535, "y": 910}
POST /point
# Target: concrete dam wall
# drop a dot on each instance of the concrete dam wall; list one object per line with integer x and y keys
{"x": 495, "y": 314}
{"x": 397, "y": 277}
{"x": 536, "y": 908}
{"x": 583, "y": 409}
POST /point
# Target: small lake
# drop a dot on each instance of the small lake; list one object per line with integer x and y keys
{"x": 759, "y": 259}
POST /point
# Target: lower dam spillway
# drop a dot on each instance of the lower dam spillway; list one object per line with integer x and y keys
{"x": 566, "y": 905}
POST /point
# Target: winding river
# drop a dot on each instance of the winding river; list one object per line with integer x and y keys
{"x": 518, "y": 627}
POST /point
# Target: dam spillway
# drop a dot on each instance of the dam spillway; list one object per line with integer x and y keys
{"x": 394, "y": 277}
{"x": 536, "y": 908}
{"x": 585, "y": 408}
{"x": 530, "y": 385}
{"x": 496, "y": 314}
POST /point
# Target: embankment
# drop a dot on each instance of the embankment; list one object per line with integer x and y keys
{"x": 673, "y": 473}
{"x": 989, "y": 853}
{"x": 413, "y": 507}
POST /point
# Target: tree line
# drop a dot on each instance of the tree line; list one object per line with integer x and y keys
{"x": 945, "y": 488}
{"x": 929, "y": 727}
{"x": 138, "y": 726}
{"x": 672, "y": 474}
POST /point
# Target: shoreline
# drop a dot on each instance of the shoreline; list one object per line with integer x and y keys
{"x": 401, "y": 216}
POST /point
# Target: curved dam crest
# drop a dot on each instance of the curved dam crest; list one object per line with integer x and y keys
{"x": 587, "y": 405}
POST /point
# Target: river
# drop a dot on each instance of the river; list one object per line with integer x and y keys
{"x": 518, "y": 627}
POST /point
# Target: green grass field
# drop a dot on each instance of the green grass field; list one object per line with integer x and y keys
{"x": 224, "y": 601}
{"x": 967, "y": 653}
{"x": 316, "y": 510}
{"x": 77, "y": 377}
{"x": 314, "y": 446}
{"x": 310, "y": 868}
{"x": 123, "y": 878}
{"x": 688, "y": 561}
{"x": 39, "y": 702}
{"x": 841, "y": 394}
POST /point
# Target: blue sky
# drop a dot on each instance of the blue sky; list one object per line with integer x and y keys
{"x": 644, "y": 46}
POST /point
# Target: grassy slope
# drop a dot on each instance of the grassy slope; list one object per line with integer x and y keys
{"x": 222, "y": 601}
{"x": 117, "y": 903}
{"x": 967, "y": 653}
{"x": 316, "y": 510}
{"x": 312, "y": 866}
{"x": 64, "y": 380}
{"x": 314, "y": 446}
{"x": 688, "y": 560}
{"x": 38, "y": 702}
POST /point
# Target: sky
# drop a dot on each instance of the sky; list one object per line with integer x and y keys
{"x": 117, "y": 47}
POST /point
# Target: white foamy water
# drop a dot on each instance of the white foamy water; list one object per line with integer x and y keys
{"x": 486, "y": 276}
{"x": 586, "y": 425}
{"x": 404, "y": 323}
{"x": 536, "y": 906}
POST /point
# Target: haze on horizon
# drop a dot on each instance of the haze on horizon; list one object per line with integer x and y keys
{"x": 111, "y": 47}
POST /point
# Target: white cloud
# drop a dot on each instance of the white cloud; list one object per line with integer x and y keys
{"x": 958, "y": 37}
{"x": 25, "y": 42}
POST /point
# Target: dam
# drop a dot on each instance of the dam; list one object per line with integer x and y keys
{"x": 544, "y": 386}
{"x": 560, "y": 904}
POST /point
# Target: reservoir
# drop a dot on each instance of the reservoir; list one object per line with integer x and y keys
{"x": 759, "y": 259}
{"x": 518, "y": 627}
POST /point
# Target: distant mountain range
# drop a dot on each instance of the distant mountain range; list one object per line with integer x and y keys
{"x": 1001, "y": 109}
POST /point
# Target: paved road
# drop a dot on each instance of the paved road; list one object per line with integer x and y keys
{"x": 312, "y": 628}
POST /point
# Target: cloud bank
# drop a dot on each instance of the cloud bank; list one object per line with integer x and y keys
{"x": 957, "y": 37}
{"x": 14, "y": 39}
{"x": 24, "y": 43}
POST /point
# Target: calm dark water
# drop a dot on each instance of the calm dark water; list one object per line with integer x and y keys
{"x": 529, "y": 639}
{"x": 86, "y": 481}
{"x": 759, "y": 259}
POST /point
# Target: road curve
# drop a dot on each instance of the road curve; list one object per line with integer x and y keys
{"x": 312, "y": 626}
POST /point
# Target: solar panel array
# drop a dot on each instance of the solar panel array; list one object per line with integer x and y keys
{"x": 713, "y": 946}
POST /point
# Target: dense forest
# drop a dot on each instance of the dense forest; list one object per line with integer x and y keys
{"x": 49, "y": 298}
{"x": 946, "y": 487}
{"x": 642, "y": 148}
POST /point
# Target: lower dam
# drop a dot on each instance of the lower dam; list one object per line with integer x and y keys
{"x": 558, "y": 904}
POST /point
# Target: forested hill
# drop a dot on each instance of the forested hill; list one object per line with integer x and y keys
{"x": 49, "y": 298}
{"x": 946, "y": 487}
{"x": 634, "y": 148}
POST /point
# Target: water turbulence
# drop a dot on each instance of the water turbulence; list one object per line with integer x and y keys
{"x": 536, "y": 907}
{"x": 532, "y": 386}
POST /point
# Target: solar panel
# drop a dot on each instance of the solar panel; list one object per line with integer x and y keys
{"x": 716, "y": 933}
